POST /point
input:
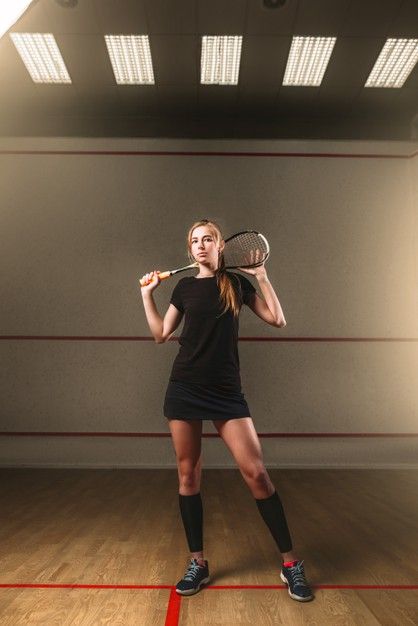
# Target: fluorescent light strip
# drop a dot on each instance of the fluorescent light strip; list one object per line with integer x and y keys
{"x": 220, "y": 60}
{"x": 394, "y": 64}
{"x": 307, "y": 61}
{"x": 41, "y": 56}
{"x": 131, "y": 60}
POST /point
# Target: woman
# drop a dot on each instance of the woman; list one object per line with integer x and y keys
{"x": 205, "y": 384}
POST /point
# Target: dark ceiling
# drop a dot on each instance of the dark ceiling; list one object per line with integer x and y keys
{"x": 178, "y": 106}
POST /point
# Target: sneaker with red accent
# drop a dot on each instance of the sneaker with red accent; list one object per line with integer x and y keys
{"x": 294, "y": 578}
{"x": 196, "y": 575}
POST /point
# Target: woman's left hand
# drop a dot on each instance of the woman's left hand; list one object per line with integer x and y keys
{"x": 260, "y": 270}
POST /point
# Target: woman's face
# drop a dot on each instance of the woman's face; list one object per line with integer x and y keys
{"x": 205, "y": 248}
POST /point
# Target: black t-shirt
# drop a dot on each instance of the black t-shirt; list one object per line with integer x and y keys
{"x": 209, "y": 339}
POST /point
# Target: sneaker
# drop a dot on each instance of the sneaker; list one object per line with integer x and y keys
{"x": 294, "y": 577}
{"x": 195, "y": 576}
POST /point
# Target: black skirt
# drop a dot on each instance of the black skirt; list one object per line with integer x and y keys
{"x": 203, "y": 402}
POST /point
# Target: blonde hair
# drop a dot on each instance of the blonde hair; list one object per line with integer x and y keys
{"x": 228, "y": 295}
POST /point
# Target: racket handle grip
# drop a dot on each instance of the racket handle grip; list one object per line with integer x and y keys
{"x": 164, "y": 275}
{"x": 161, "y": 276}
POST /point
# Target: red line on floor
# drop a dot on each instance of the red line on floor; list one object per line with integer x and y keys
{"x": 313, "y": 587}
{"x": 216, "y": 587}
{"x": 173, "y": 609}
{"x": 78, "y": 586}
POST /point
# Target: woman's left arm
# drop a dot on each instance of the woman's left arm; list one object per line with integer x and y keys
{"x": 271, "y": 298}
{"x": 269, "y": 310}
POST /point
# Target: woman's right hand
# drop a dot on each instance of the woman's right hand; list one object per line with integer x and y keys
{"x": 155, "y": 281}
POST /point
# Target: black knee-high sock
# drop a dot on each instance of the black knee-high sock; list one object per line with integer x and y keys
{"x": 192, "y": 515}
{"x": 272, "y": 512}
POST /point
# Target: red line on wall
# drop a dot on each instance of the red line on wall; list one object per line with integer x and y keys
{"x": 38, "y": 433}
{"x": 328, "y": 155}
{"x": 147, "y": 338}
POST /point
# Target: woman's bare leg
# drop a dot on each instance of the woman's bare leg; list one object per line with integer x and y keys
{"x": 187, "y": 440}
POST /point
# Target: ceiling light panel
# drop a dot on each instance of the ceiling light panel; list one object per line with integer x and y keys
{"x": 308, "y": 60}
{"x": 41, "y": 56}
{"x": 394, "y": 64}
{"x": 131, "y": 60}
{"x": 220, "y": 60}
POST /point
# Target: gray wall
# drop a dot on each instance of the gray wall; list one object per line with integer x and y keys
{"x": 77, "y": 231}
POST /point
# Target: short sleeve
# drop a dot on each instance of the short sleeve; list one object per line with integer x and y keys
{"x": 247, "y": 289}
{"x": 176, "y": 298}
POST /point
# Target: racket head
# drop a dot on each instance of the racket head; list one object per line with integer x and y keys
{"x": 248, "y": 248}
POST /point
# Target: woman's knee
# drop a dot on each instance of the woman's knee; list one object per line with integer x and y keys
{"x": 256, "y": 473}
{"x": 189, "y": 484}
{"x": 189, "y": 472}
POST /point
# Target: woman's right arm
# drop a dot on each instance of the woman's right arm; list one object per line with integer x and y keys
{"x": 160, "y": 329}
{"x": 154, "y": 319}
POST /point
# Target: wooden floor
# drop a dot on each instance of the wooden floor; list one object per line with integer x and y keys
{"x": 123, "y": 527}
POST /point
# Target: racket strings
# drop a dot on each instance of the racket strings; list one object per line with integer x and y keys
{"x": 245, "y": 249}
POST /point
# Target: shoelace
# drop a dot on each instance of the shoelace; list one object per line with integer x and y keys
{"x": 192, "y": 571}
{"x": 297, "y": 574}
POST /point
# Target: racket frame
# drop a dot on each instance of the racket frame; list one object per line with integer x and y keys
{"x": 169, "y": 273}
{"x": 243, "y": 232}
